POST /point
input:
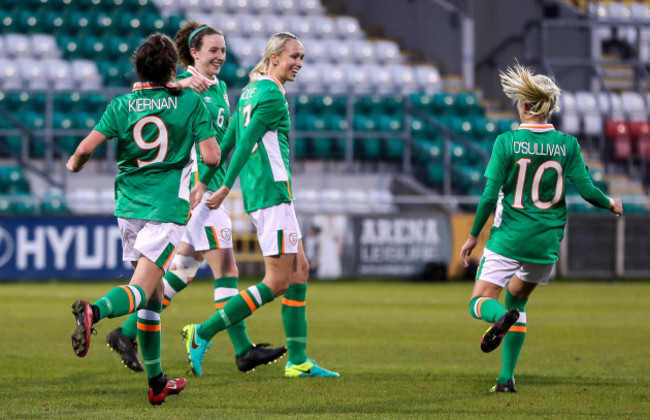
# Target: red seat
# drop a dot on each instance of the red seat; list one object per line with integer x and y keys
{"x": 639, "y": 128}
{"x": 614, "y": 129}
{"x": 623, "y": 149}
{"x": 643, "y": 146}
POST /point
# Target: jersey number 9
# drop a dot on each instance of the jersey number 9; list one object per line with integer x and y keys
{"x": 161, "y": 142}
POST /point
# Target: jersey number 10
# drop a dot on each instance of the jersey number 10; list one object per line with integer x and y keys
{"x": 537, "y": 180}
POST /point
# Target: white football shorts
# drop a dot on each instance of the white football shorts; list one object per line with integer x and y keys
{"x": 497, "y": 269}
{"x": 156, "y": 241}
{"x": 207, "y": 228}
{"x": 277, "y": 229}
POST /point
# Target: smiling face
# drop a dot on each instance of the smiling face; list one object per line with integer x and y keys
{"x": 209, "y": 59}
{"x": 285, "y": 66}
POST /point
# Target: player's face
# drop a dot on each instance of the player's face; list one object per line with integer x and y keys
{"x": 289, "y": 62}
{"x": 209, "y": 59}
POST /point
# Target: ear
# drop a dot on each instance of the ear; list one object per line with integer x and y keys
{"x": 274, "y": 59}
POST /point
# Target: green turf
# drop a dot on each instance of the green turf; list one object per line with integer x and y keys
{"x": 403, "y": 350}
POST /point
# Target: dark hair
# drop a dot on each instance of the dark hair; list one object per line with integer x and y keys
{"x": 156, "y": 60}
{"x": 184, "y": 43}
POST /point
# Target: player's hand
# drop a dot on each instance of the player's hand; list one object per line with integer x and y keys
{"x": 216, "y": 199}
{"x": 467, "y": 249}
{"x": 616, "y": 206}
{"x": 196, "y": 83}
{"x": 197, "y": 194}
{"x": 70, "y": 165}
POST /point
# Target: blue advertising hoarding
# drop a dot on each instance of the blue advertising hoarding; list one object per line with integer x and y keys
{"x": 61, "y": 248}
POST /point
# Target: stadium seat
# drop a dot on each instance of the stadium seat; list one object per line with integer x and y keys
{"x": 394, "y": 148}
{"x": 13, "y": 181}
{"x": 44, "y": 46}
{"x": 18, "y": 46}
{"x": 634, "y": 106}
{"x": 347, "y": 27}
{"x": 85, "y": 75}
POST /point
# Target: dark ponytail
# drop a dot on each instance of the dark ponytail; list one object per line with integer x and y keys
{"x": 156, "y": 60}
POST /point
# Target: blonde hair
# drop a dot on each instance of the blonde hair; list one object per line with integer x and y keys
{"x": 274, "y": 46}
{"x": 538, "y": 91}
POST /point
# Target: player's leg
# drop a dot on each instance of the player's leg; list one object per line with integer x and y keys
{"x": 224, "y": 269}
{"x": 519, "y": 289}
{"x": 294, "y": 320}
{"x": 238, "y": 307}
{"x": 278, "y": 234}
{"x": 493, "y": 274}
{"x": 183, "y": 268}
{"x": 119, "y": 301}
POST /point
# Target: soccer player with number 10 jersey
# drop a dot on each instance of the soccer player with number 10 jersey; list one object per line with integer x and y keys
{"x": 526, "y": 179}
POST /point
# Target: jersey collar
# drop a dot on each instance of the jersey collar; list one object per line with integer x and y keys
{"x": 537, "y": 128}
{"x": 195, "y": 72}
{"x": 148, "y": 85}
{"x": 276, "y": 81}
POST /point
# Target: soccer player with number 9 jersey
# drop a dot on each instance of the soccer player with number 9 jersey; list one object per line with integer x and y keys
{"x": 526, "y": 179}
{"x": 156, "y": 127}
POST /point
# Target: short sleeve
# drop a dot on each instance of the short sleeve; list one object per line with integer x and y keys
{"x": 497, "y": 166}
{"x": 201, "y": 122}
{"x": 107, "y": 124}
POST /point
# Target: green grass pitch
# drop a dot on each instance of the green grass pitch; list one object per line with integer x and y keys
{"x": 404, "y": 350}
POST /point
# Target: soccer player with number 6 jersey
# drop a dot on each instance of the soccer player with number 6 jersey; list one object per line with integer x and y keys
{"x": 526, "y": 179}
{"x": 156, "y": 126}
{"x": 261, "y": 126}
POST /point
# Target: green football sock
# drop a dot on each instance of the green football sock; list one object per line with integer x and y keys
{"x": 121, "y": 300}
{"x": 485, "y": 308}
{"x": 514, "y": 340}
{"x": 149, "y": 337}
{"x": 294, "y": 319}
{"x": 237, "y": 308}
{"x": 224, "y": 289}
{"x": 173, "y": 285}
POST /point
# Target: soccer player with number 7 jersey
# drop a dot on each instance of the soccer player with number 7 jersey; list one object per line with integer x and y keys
{"x": 156, "y": 126}
{"x": 526, "y": 179}
{"x": 261, "y": 126}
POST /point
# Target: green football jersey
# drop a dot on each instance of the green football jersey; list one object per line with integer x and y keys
{"x": 266, "y": 177}
{"x": 155, "y": 134}
{"x": 532, "y": 165}
{"x": 216, "y": 100}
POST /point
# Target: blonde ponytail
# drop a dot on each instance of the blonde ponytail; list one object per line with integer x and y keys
{"x": 275, "y": 45}
{"x": 538, "y": 91}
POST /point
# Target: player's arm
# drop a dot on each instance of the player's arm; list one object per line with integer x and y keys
{"x": 579, "y": 176}
{"x": 227, "y": 145}
{"x": 254, "y": 132}
{"x": 486, "y": 206}
{"x": 85, "y": 150}
{"x": 210, "y": 152}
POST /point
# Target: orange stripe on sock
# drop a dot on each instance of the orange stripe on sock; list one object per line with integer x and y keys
{"x": 478, "y": 308}
{"x": 518, "y": 328}
{"x": 295, "y": 303}
{"x": 220, "y": 305}
{"x": 166, "y": 302}
{"x": 129, "y": 293}
{"x": 164, "y": 267}
{"x": 248, "y": 300}
{"x": 150, "y": 328}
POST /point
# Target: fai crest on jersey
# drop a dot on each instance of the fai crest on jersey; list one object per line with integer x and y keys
{"x": 226, "y": 234}
{"x": 225, "y": 97}
{"x": 293, "y": 238}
